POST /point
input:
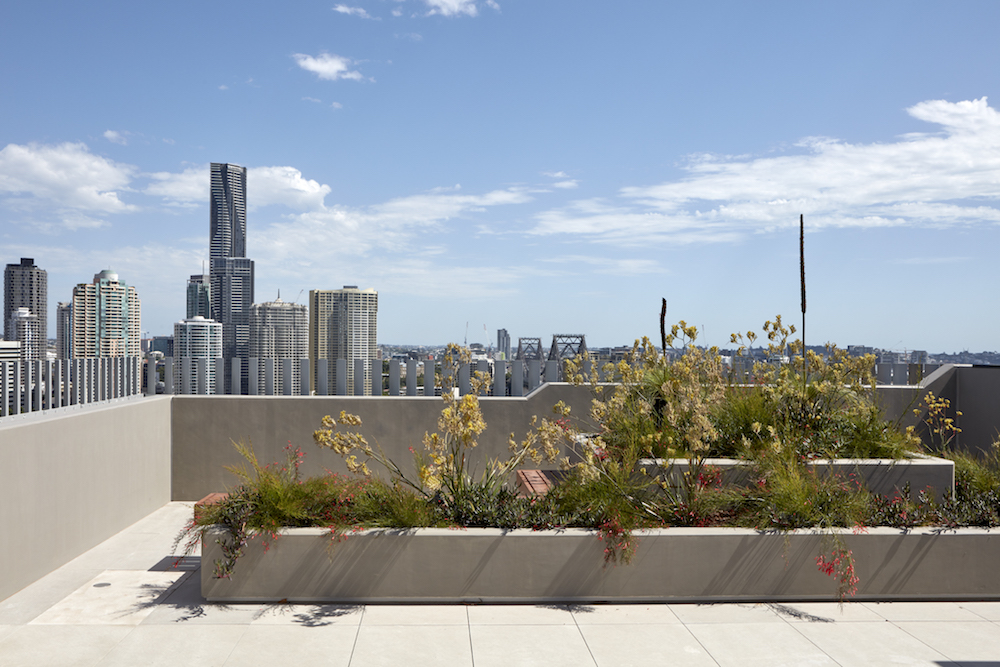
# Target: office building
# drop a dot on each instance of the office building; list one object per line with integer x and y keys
{"x": 196, "y": 338}
{"x": 25, "y": 286}
{"x": 231, "y": 273}
{"x": 279, "y": 330}
{"x": 64, "y": 330}
{"x": 343, "y": 325}
{"x": 106, "y": 318}
{"x": 503, "y": 344}
{"x": 25, "y": 328}
{"x": 199, "y": 297}
{"x": 162, "y": 344}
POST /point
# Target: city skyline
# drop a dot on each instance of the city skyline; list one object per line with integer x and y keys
{"x": 612, "y": 158}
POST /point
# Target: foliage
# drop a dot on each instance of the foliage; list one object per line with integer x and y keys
{"x": 444, "y": 472}
{"x": 679, "y": 402}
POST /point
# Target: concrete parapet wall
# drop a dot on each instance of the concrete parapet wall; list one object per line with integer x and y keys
{"x": 204, "y": 427}
{"x": 71, "y": 479}
{"x": 670, "y": 565}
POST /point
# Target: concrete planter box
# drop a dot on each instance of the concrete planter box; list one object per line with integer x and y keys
{"x": 676, "y": 564}
{"x": 882, "y": 476}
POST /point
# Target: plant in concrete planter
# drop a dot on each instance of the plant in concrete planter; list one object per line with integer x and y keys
{"x": 444, "y": 471}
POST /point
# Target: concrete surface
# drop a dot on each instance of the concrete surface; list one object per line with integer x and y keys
{"x": 74, "y": 477}
{"x": 122, "y": 603}
{"x": 489, "y": 565}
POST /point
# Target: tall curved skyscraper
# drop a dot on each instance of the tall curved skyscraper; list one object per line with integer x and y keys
{"x": 230, "y": 270}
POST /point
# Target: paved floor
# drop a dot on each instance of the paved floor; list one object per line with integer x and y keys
{"x": 123, "y": 603}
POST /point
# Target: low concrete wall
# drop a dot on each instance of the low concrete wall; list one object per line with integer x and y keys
{"x": 70, "y": 479}
{"x": 204, "y": 427}
{"x": 886, "y": 477}
{"x": 672, "y": 565}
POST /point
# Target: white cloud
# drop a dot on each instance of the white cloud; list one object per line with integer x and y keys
{"x": 555, "y": 174}
{"x": 223, "y": 87}
{"x": 566, "y": 185}
{"x": 452, "y": 7}
{"x": 115, "y": 137}
{"x": 354, "y": 11}
{"x": 284, "y": 185}
{"x": 611, "y": 266}
{"x": 327, "y": 66}
{"x": 312, "y": 99}
{"x": 188, "y": 189}
{"x": 933, "y": 180}
{"x": 336, "y": 105}
{"x": 311, "y": 242}
{"x": 67, "y": 176}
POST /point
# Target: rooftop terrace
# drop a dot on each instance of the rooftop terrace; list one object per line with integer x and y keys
{"x": 91, "y": 498}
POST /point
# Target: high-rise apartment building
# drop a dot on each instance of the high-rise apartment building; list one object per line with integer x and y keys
{"x": 279, "y": 330}
{"x": 26, "y": 329}
{"x": 64, "y": 330}
{"x": 231, "y": 273}
{"x": 199, "y": 297}
{"x": 196, "y": 338}
{"x": 25, "y": 286}
{"x": 343, "y": 324}
{"x": 106, "y": 318}
{"x": 228, "y": 211}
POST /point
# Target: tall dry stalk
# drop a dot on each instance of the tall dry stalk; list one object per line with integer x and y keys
{"x": 802, "y": 281}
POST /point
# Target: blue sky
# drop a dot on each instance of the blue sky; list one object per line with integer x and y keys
{"x": 547, "y": 167}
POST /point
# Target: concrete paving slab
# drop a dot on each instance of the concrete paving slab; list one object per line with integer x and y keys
{"x": 391, "y": 614}
{"x": 185, "y": 604}
{"x": 865, "y": 643}
{"x": 114, "y": 597}
{"x": 528, "y": 645}
{"x": 162, "y": 646}
{"x": 629, "y": 614}
{"x": 978, "y": 641}
{"x": 520, "y": 614}
{"x": 6, "y": 630}
{"x": 825, "y": 612}
{"x": 987, "y": 610}
{"x": 763, "y": 644}
{"x": 620, "y": 645}
{"x": 289, "y": 645}
{"x": 412, "y": 645}
{"x": 922, "y": 611}
{"x": 306, "y": 615}
{"x": 725, "y": 613}
{"x": 60, "y": 646}
{"x": 33, "y": 600}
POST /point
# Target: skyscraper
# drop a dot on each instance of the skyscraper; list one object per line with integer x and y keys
{"x": 25, "y": 328}
{"x": 199, "y": 297}
{"x": 343, "y": 324}
{"x": 279, "y": 330}
{"x": 231, "y": 273}
{"x": 196, "y": 338}
{"x": 503, "y": 344}
{"x": 64, "y": 330}
{"x": 106, "y": 318}
{"x": 25, "y": 286}
{"x": 228, "y": 232}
